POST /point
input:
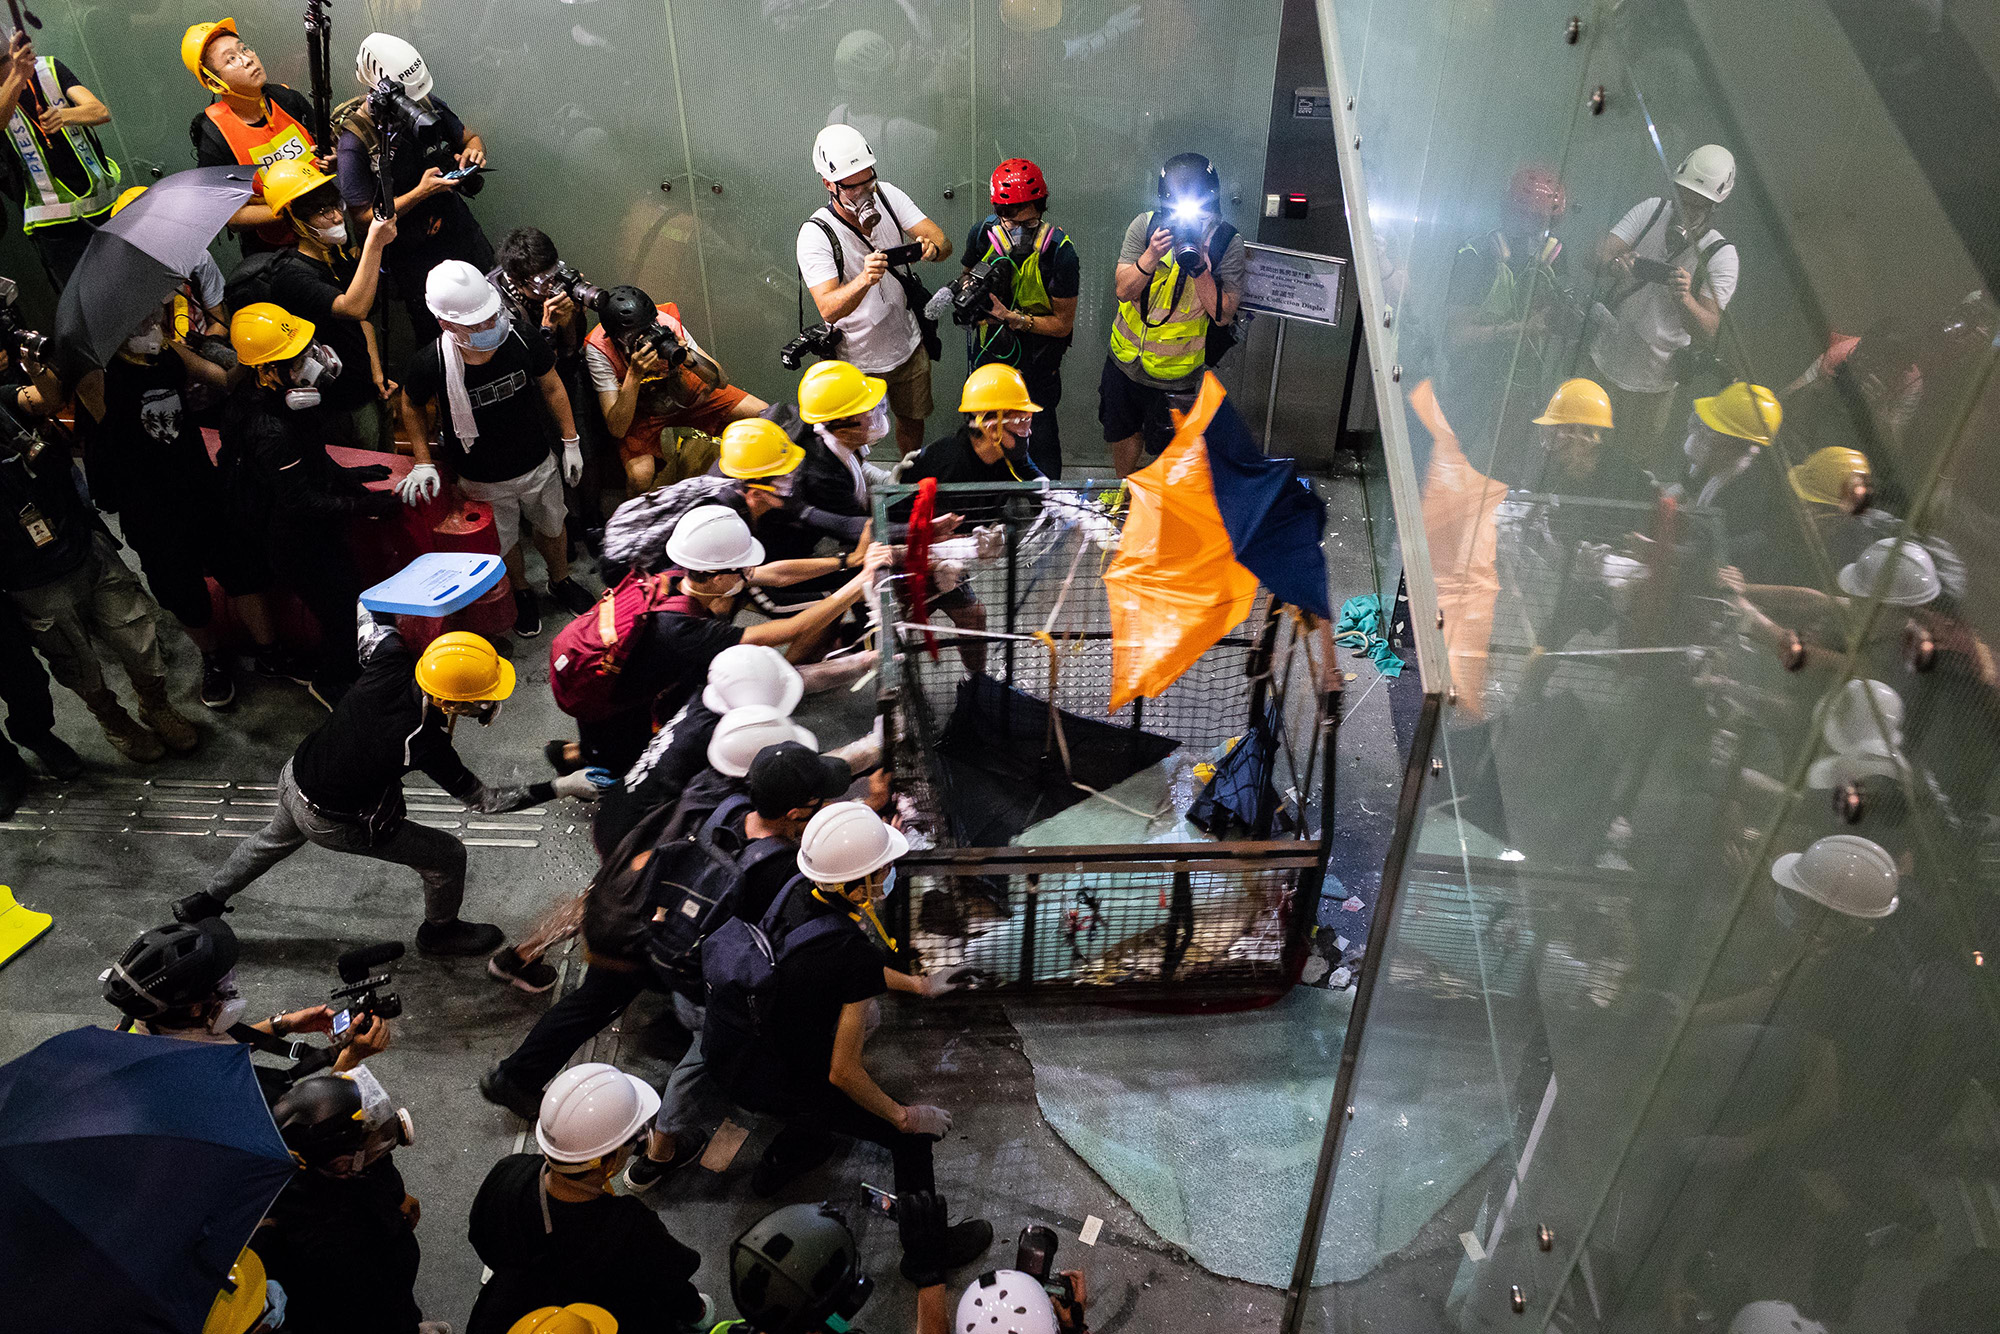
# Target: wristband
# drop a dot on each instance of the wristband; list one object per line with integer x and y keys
{"x": 572, "y": 440}
{"x": 276, "y": 1022}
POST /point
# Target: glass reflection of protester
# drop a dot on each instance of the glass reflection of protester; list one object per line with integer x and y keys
{"x": 253, "y": 123}
{"x": 1500, "y": 325}
{"x": 179, "y": 981}
{"x": 1032, "y": 326}
{"x": 649, "y": 385}
{"x": 841, "y": 259}
{"x": 1667, "y": 276}
{"x": 55, "y": 170}
{"x": 347, "y": 1200}
{"x": 433, "y": 222}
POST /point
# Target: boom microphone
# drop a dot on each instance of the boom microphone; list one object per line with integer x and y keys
{"x": 362, "y": 960}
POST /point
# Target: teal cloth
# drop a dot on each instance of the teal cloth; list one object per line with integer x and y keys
{"x": 1360, "y": 628}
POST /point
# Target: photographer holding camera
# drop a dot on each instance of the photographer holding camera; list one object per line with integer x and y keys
{"x": 1017, "y": 296}
{"x": 252, "y": 123}
{"x": 651, "y": 377}
{"x": 179, "y": 981}
{"x": 1180, "y": 276}
{"x": 432, "y": 161}
{"x": 845, "y": 251}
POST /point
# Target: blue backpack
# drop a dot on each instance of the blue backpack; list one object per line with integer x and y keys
{"x": 692, "y": 887}
{"x": 743, "y": 963}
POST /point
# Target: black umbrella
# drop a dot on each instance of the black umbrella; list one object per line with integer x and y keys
{"x": 132, "y": 1171}
{"x": 137, "y": 259}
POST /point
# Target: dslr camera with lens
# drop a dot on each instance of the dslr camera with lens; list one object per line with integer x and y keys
{"x": 564, "y": 280}
{"x": 821, "y": 340}
{"x": 1190, "y": 197}
{"x": 397, "y": 114}
{"x": 15, "y": 336}
{"x": 1035, "y": 1256}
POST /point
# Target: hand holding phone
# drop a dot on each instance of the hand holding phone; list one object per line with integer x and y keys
{"x": 904, "y": 254}
{"x": 461, "y": 173}
{"x": 1652, "y": 270}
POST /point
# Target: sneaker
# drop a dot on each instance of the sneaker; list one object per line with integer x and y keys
{"x": 199, "y": 906}
{"x": 54, "y": 753}
{"x": 328, "y": 693}
{"x": 643, "y": 1173}
{"x": 459, "y": 936}
{"x": 281, "y": 664}
{"x": 218, "y": 687}
{"x": 557, "y": 754}
{"x": 531, "y": 976}
{"x": 527, "y": 615}
{"x": 571, "y": 596}
{"x": 791, "y": 1155}
{"x": 496, "y": 1088}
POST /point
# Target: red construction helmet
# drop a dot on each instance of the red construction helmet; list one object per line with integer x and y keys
{"x": 1537, "y": 192}
{"x": 1018, "y": 181}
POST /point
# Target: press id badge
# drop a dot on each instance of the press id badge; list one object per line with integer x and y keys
{"x": 35, "y": 526}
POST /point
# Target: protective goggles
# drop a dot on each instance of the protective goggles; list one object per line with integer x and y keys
{"x": 875, "y": 422}
{"x": 1017, "y": 423}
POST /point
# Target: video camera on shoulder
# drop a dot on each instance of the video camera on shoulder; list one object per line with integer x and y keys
{"x": 364, "y": 993}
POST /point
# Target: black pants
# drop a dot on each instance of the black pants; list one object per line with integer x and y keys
{"x": 1045, "y": 445}
{"x": 24, "y": 686}
{"x": 322, "y": 573}
{"x": 837, "y": 1114}
{"x": 572, "y": 1021}
{"x": 60, "y": 247}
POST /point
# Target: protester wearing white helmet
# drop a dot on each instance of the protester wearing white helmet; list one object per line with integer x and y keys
{"x": 550, "y": 1230}
{"x": 1667, "y": 278}
{"x": 842, "y": 259}
{"x": 430, "y": 168}
{"x": 715, "y": 558}
{"x": 469, "y": 391}
{"x": 745, "y": 731}
{"x": 1007, "y": 1301}
{"x": 802, "y": 1056}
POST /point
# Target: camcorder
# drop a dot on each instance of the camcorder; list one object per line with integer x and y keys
{"x": 821, "y": 340}
{"x": 1035, "y": 1256}
{"x": 364, "y": 992}
{"x": 968, "y": 296}
{"x": 15, "y": 336}
{"x": 396, "y": 115}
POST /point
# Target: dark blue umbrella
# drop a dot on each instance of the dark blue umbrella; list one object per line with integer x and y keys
{"x": 135, "y": 261}
{"x": 132, "y": 1171}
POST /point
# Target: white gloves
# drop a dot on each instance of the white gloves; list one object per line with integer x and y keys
{"x": 585, "y": 784}
{"x": 422, "y": 483}
{"x": 939, "y": 983}
{"x": 572, "y": 466}
{"x": 924, "y": 1119}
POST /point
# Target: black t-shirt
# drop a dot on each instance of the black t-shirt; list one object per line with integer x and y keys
{"x": 308, "y": 287}
{"x": 826, "y": 975}
{"x": 357, "y": 758}
{"x": 515, "y": 433}
{"x": 443, "y": 218}
{"x": 613, "y": 1252}
{"x": 276, "y": 473}
{"x": 953, "y": 459}
{"x": 1062, "y": 276}
{"x": 343, "y": 1252}
{"x": 147, "y": 455}
{"x": 40, "y": 499}
{"x": 669, "y": 661}
{"x": 60, "y": 157}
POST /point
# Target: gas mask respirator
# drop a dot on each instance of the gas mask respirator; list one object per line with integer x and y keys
{"x": 320, "y": 365}
{"x": 233, "y": 1005}
{"x": 147, "y": 341}
{"x": 389, "y": 1127}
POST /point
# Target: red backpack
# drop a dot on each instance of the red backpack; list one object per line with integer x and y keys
{"x": 588, "y": 656}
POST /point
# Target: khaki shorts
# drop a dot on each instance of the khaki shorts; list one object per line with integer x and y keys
{"x": 910, "y": 386}
{"x": 535, "y": 495}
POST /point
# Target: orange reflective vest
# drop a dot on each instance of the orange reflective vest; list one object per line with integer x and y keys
{"x": 277, "y": 139}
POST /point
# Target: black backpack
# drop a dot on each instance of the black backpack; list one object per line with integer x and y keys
{"x": 742, "y": 964}
{"x": 253, "y": 278}
{"x": 693, "y": 886}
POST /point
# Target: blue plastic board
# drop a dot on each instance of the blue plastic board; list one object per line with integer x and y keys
{"x": 436, "y": 583}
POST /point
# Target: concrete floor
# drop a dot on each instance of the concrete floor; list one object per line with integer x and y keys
{"x": 104, "y": 857}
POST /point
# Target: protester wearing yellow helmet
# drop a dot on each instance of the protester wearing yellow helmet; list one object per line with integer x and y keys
{"x": 576, "y": 1318}
{"x": 1576, "y": 461}
{"x": 249, "y": 1303}
{"x": 252, "y": 123}
{"x": 1835, "y": 476}
{"x": 65, "y": 182}
{"x": 313, "y": 276}
{"x": 343, "y": 787}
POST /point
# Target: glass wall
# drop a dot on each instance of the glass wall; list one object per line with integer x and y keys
{"x": 668, "y": 144}
{"x": 1692, "y": 940}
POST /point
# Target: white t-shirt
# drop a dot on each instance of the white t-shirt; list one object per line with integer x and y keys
{"x": 881, "y": 333}
{"x": 1636, "y": 342}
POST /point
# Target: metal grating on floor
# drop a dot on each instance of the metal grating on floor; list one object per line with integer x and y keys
{"x": 220, "y": 808}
